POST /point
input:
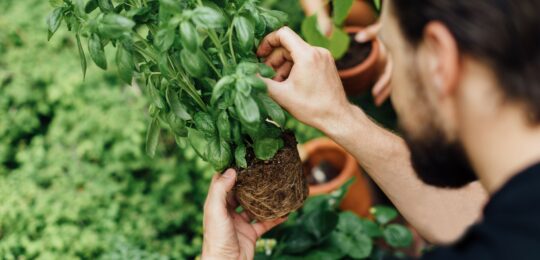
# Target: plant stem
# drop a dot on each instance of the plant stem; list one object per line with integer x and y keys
{"x": 215, "y": 39}
{"x": 233, "y": 55}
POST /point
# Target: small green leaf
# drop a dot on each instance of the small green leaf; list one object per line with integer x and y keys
{"x": 97, "y": 52}
{"x": 114, "y": 25}
{"x": 205, "y": 123}
{"x": 177, "y": 125}
{"x": 105, "y": 6}
{"x": 240, "y": 156}
{"x": 125, "y": 64}
{"x": 152, "y": 137}
{"x": 90, "y": 6}
{"x": 266, "y": 148}
{"x": 179, "y": 109}
{"x": 224, "y": 126}
{"x": 54, "y": 20}
{"x": 155, "y": 95}
{"x": 256, "y": 83}
{"x": 243, "y": 87}
{"x": 273, "y": 109}
{"x": 341, "y": 9}
{"x": 165, "y": 39}
{"x": 247, "y": 109}
{"x": 221, "y": 86}
{"x": 207, "y": 17}
{"x": 397, "y": 236}
{"x": 312, "y": 34}
{"x": 198, "y": 142}
{"x": 194, "y": 63}
{"x": 189, "y": 38}
{"x": 320, "y": 223}
{"x": 383, "y": 214}
{"x": 339, "y": 43}
{"x": 377, "y": 4}
{"x": 219, "y": 154}
{"x": 56, "y": 3}
{"x": 266, "y": 71}
{"x": 81, "y": 54}
{"x": 244, "y": 29}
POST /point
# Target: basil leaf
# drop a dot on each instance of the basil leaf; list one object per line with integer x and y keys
{"x": 81, "y": 54}
{"x": 198, "y": 142}
{"x": 243, "y": 87}
{"x": 125, "y": 64}
{"x": 193, "y": 63}
{"x": 266, "y": 148}
{"x": 240, "y": 156}
{"x": 54, "y": 20}
{"x": 272, "y": 108}
{"x": 220, "y": 88}
{"x": 97, "y": 52}
{"x": 155, "y": 95}
{"x": 383, "y": 214}
{"x": 247, "y": 109}
{"x": 152, "y": 137}
{"x": 219, "y": 154}
{"x": 114, "y": 25}
{"x": 224, "y": 126}
{"x": 165, "y": 39}
{"x": 205, "y": 123}
{"x": 244, "y": 29}
{"x": 179, "y": 109}
{"x": 256, "y": 83}
{"x": 207, "y": 17}
{"x": 105, "y": 6}
{"x": 189, "y": 38}
{"x": 266, "y": 71}
{"x": 177, "y": 125}
{"x": 397, "y": 236}
{"x": 90, "y": 6}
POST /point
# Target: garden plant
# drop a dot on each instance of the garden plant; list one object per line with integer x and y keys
{"x": 196, "y": 62}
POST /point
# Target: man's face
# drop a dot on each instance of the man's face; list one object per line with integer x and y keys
{"x": 437, "y": 156}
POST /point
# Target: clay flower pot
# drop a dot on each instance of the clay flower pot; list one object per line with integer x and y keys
{"x": 360, "y": 77}
{"x": 324, "y": 151}
{"x": 362, "y": 14}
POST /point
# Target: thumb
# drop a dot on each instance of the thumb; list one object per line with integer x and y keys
{"x": 220, "y": 186}
{"x": 276, "y": 90}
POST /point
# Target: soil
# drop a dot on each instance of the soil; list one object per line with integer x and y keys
{"x": 321, "y": 173}
{"x": 356, "y": 54}
{"x": 274, "y": 188}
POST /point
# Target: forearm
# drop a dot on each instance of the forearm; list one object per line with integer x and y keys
{"x": 440, "y": 215}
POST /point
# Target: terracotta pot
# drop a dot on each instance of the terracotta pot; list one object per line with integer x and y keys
{"x": 361, "y": 77}
{"x": 358, "y": 198}
{"x": 362, "y": 14}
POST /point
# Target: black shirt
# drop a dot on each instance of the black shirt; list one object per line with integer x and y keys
{"x": 510, "y": 228}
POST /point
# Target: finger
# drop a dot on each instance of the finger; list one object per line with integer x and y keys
{"x": 216, "y": 201}
{"x": 384, "y": 80}
{"x": 284, "y": 37}
{"x": 383, "y": 96}
{"x": 278, "y": 57}
{"x": 368, "y": 34}
{"x": 231, "y": 201}
{"x": 282, "y": 73}
{"x": 263, "y": 227}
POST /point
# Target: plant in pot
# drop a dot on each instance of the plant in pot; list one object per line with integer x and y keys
{"x": 321, "y": 231}
{"x": 356, "y": 62}
{"x": 196, "y": 62}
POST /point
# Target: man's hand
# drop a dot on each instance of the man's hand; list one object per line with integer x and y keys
{"x": 227, "y": 234}
{"x": 307, "y": 83}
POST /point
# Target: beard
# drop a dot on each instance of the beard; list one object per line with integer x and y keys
{"x": 440, "y": 163}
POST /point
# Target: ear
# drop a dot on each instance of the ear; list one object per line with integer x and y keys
{"x": 442, "y": 56}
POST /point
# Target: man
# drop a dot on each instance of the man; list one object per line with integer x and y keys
{"x": 466, "y": 87}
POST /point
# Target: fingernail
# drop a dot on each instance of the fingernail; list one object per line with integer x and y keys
{"x": 228, "y": 174}
{"x": 361, "y": 37}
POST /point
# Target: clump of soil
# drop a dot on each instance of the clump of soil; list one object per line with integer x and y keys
{"x": 321, "y": 173}
{"x": 356, "y": 54}
{"x": 274, "y": 188}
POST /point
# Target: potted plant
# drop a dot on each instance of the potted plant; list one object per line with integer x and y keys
{"x": 321, "y": 231}
{"x": 356, "y": 62}
{"x": 328, "y": 167}
{"x": 196, "y": 62}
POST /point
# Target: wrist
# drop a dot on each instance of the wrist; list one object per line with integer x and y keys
{"x": 340, "y": 121}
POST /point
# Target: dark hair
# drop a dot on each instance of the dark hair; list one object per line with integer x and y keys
{"x": 505, "y": 34}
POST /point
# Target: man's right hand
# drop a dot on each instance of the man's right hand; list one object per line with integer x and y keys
{"x": 307, "y": 82}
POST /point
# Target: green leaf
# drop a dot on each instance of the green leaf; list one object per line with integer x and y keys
{"x": 312, "y": 34}
{"x": 256, "y": 83}
{"x": 377, "y": 4}
{"x": 207, "y": 17}
{"x": 205, "y": 123}
{"x": 273, "y": 19}
{"x": 357, "y": 246}
{"x": 370, "y": 228}
{"x": 194, "y": 63}
{"x": 298, "y": 241}
{"x": 114, "y": 25}
{"x": 240, "y": 156}
{"x": 179, "y": 109}
{"x": 266, "y": 148}
{"x": 177, "y": 125}
{"x": 243, "y": 87}
{"x": 272, "y": 108}
{"x": 155, "y": 95}
{"x": 224, "y": 126}
{"x": 247, "y": 68}
{"x": 56, "y": 3}
{"x": 244, "y": 29}
{"x": 165, "y": 39}
{"x": 320, "y": 223}
{"x": 189, "y": 38}
{"x": 383, "y": 214}
{"x": 219, "y": 154}
{"x": 125, "y": 64}
{"x": 90, "y": 6}
{"x": 81, "y": 54}
{"x": 247, "y": 109}
{"x": 266, "y": 71}
{"x": 54, "y": 20}
{"x": 152, "y": 137}
{"x": 221, "y": 86}
{"x": 339, "y": 43}
{"x": 97, "y": 52}
{"x": 105, "y": 6}
{"x": 397, "y": 236}
{"x": 198, "y": 142}
{"x": 341, "y": 9}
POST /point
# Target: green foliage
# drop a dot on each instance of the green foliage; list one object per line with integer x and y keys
{"x": 198, "y": 56}
{"x": 321, "y": 231}
{"x": 75, "y": 181}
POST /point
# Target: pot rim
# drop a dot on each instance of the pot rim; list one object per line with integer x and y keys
{"x": 369, "y": 62}
{"x": 348, "y": 171}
